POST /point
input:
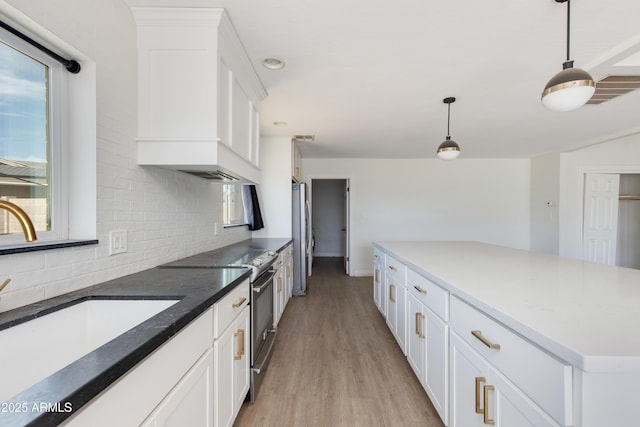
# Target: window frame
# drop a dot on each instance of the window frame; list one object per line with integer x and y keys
{"x": 228, "y": 205}
{"x": 58, "y": 112}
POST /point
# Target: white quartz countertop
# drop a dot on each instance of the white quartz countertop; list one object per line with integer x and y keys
{"x": 585, "y": 313}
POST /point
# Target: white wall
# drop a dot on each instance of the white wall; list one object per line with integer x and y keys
{"x": 167, "y": 215}
{"x": 617, "y": 156}
{"x": 545, "y": 201}
{"x": 428, "y": 199}
{"x": 274, "y": 191}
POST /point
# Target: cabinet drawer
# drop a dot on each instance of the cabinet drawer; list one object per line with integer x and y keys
{"x": 544, "y": 378}
{"x": 228, "y": 308}
{"x": 430, "y": 294}
{"x": 396, "y": 269}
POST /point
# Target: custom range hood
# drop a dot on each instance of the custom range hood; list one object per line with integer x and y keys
{"x": 198, "y": 95}
{"x": 206, "y": 159}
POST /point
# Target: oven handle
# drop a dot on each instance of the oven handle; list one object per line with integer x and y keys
{"x": 265, "y": 355}
{"x": 263, "y": 281}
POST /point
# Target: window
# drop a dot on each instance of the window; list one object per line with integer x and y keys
{"x": 31, "y": 100}
{"x": 233, "y": 212}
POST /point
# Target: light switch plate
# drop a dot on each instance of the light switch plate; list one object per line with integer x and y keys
{"x": 117, "y": 242}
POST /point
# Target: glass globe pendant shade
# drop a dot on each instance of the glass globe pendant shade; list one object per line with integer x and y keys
{"x": 568, "y": 90}
{"x": 448, "y": 150}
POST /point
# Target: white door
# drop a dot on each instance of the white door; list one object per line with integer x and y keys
{"x": 345, "y": 229}
{"x": 600, "y": 217}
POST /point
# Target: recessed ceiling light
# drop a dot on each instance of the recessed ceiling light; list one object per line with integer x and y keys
{"x": 279, "y": 123}
{"x": 273, "y": 63}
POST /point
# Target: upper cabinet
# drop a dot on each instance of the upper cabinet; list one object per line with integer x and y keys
{"x": 198, "y": 94}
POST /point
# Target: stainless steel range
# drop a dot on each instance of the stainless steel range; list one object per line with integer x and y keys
{"x": 263, "y": 333}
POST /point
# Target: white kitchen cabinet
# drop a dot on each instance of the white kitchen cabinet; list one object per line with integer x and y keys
{"x": 428, "y": 353}
{"x": 379, "y": 296}
{"x": 496, "y": 401}
{"x": 288, "y": 273}
{"x": 231, "y": 355}
{"x": 231, "y": 368}
{"x": 296, "y": 162}
{"x": 189, "y": 403}
{"x": 175, "y": 379}
{"x": 546, "y": 380}
{"x": 396, "y": 294}
{"x": 198, "y": 93}
{"x": 278, "y": 295}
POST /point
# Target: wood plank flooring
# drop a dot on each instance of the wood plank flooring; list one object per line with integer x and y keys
{"x": 335, "y": 363}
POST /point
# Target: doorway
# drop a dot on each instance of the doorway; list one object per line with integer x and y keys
{"x": 330, "y": 219}
{"x": 611, "y": 223}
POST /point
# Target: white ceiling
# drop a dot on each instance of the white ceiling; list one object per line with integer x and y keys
{"x": 367, "y": 77}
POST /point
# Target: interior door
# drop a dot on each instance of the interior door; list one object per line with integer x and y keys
{"x": 345, "y": 228}
{"x": 600, "y": 229}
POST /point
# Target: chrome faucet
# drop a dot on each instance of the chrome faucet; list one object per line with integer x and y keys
{"x": 24, "y": 220}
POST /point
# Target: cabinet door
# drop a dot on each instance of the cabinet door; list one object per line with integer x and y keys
{"x": 241, "y": 375}
{"x": 401, "y": 318}
{"x": 436, "y": 362}
{"x": 189, "y": 403}
{"x": 416, "y": 338}
{"x": 391, "y": 296}
{"x": 278, "y": 296}
{"x": 468, "y": 375}
{"x": 378, "y": 287}
{"x": 512, "y": 407}
{"x": 224, "y": 351}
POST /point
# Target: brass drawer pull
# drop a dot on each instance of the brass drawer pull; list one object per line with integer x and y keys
{"x": 478, "y": 334}
{"x": 391, "y": 267}
{"x": 377, "y": 275}
{"x": 419, "y": 289}
{"x": 485, "y": 412}
{"x": 391, "y": 289}
{"x": 479, "y": 381}
{"x": 239, "y": 303}
{"x": 419, "y": 317}
{"x": 240, "y": 352}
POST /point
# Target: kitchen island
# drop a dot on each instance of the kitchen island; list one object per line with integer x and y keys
{"x": 68, "y": 390}
{"x": 570, "y": 346}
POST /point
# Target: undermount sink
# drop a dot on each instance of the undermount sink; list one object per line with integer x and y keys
{"x": 33, "y": 350}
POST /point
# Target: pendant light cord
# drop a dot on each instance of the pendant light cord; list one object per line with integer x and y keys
{"x": 448, "y": 119}
{"x": 568, "y": 27}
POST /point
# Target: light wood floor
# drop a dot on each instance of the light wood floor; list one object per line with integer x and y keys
{"x": 335, "y": 363}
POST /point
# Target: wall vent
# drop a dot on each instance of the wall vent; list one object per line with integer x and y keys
{"x": 613, "y": 86}
{"x": 304, "y": 138}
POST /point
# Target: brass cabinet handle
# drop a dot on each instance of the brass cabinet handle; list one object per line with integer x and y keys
{"x": 239, "y": 303}
{"x": 240, "y": 335}
{"x": 391, "y": 289}
{"x": 377, "y": 275}
{"x": 376, "y": 256}
{"x": 391, "y": 267}
{"x": 419, "y": 289}
{"x": 479, "y": 381}
{"x": 419, "y": 317}
{"x": 485, "y": 412}
{"x": 279, "y": 284}
{"x": 478, "y": 334}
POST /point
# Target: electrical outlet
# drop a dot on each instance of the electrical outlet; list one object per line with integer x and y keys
{"x": 117, "y": 242}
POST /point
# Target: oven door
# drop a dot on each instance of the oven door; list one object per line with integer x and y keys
{"x": 262, "y": 332}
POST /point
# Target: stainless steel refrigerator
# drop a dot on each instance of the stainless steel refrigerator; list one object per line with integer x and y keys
{"x": 302, "y": 239}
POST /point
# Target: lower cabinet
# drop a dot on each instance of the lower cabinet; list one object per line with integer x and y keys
{"x": 189, "y": 403}
{"x": 198, "y": 378}
{"x": 231, "y": 370}
{"x": 496, "y": 400}
{"x": 396, "y": 294}
{"x": 427, "y": 352}
{"x": 174, "y": 381}
{"x": 378, "y": 282}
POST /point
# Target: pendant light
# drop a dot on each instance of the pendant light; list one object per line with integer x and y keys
{"x": 572, "y": 87}
{"x": 448, "y": 150}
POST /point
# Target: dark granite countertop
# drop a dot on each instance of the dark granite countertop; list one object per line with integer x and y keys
{"x": 76, "y": 384}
